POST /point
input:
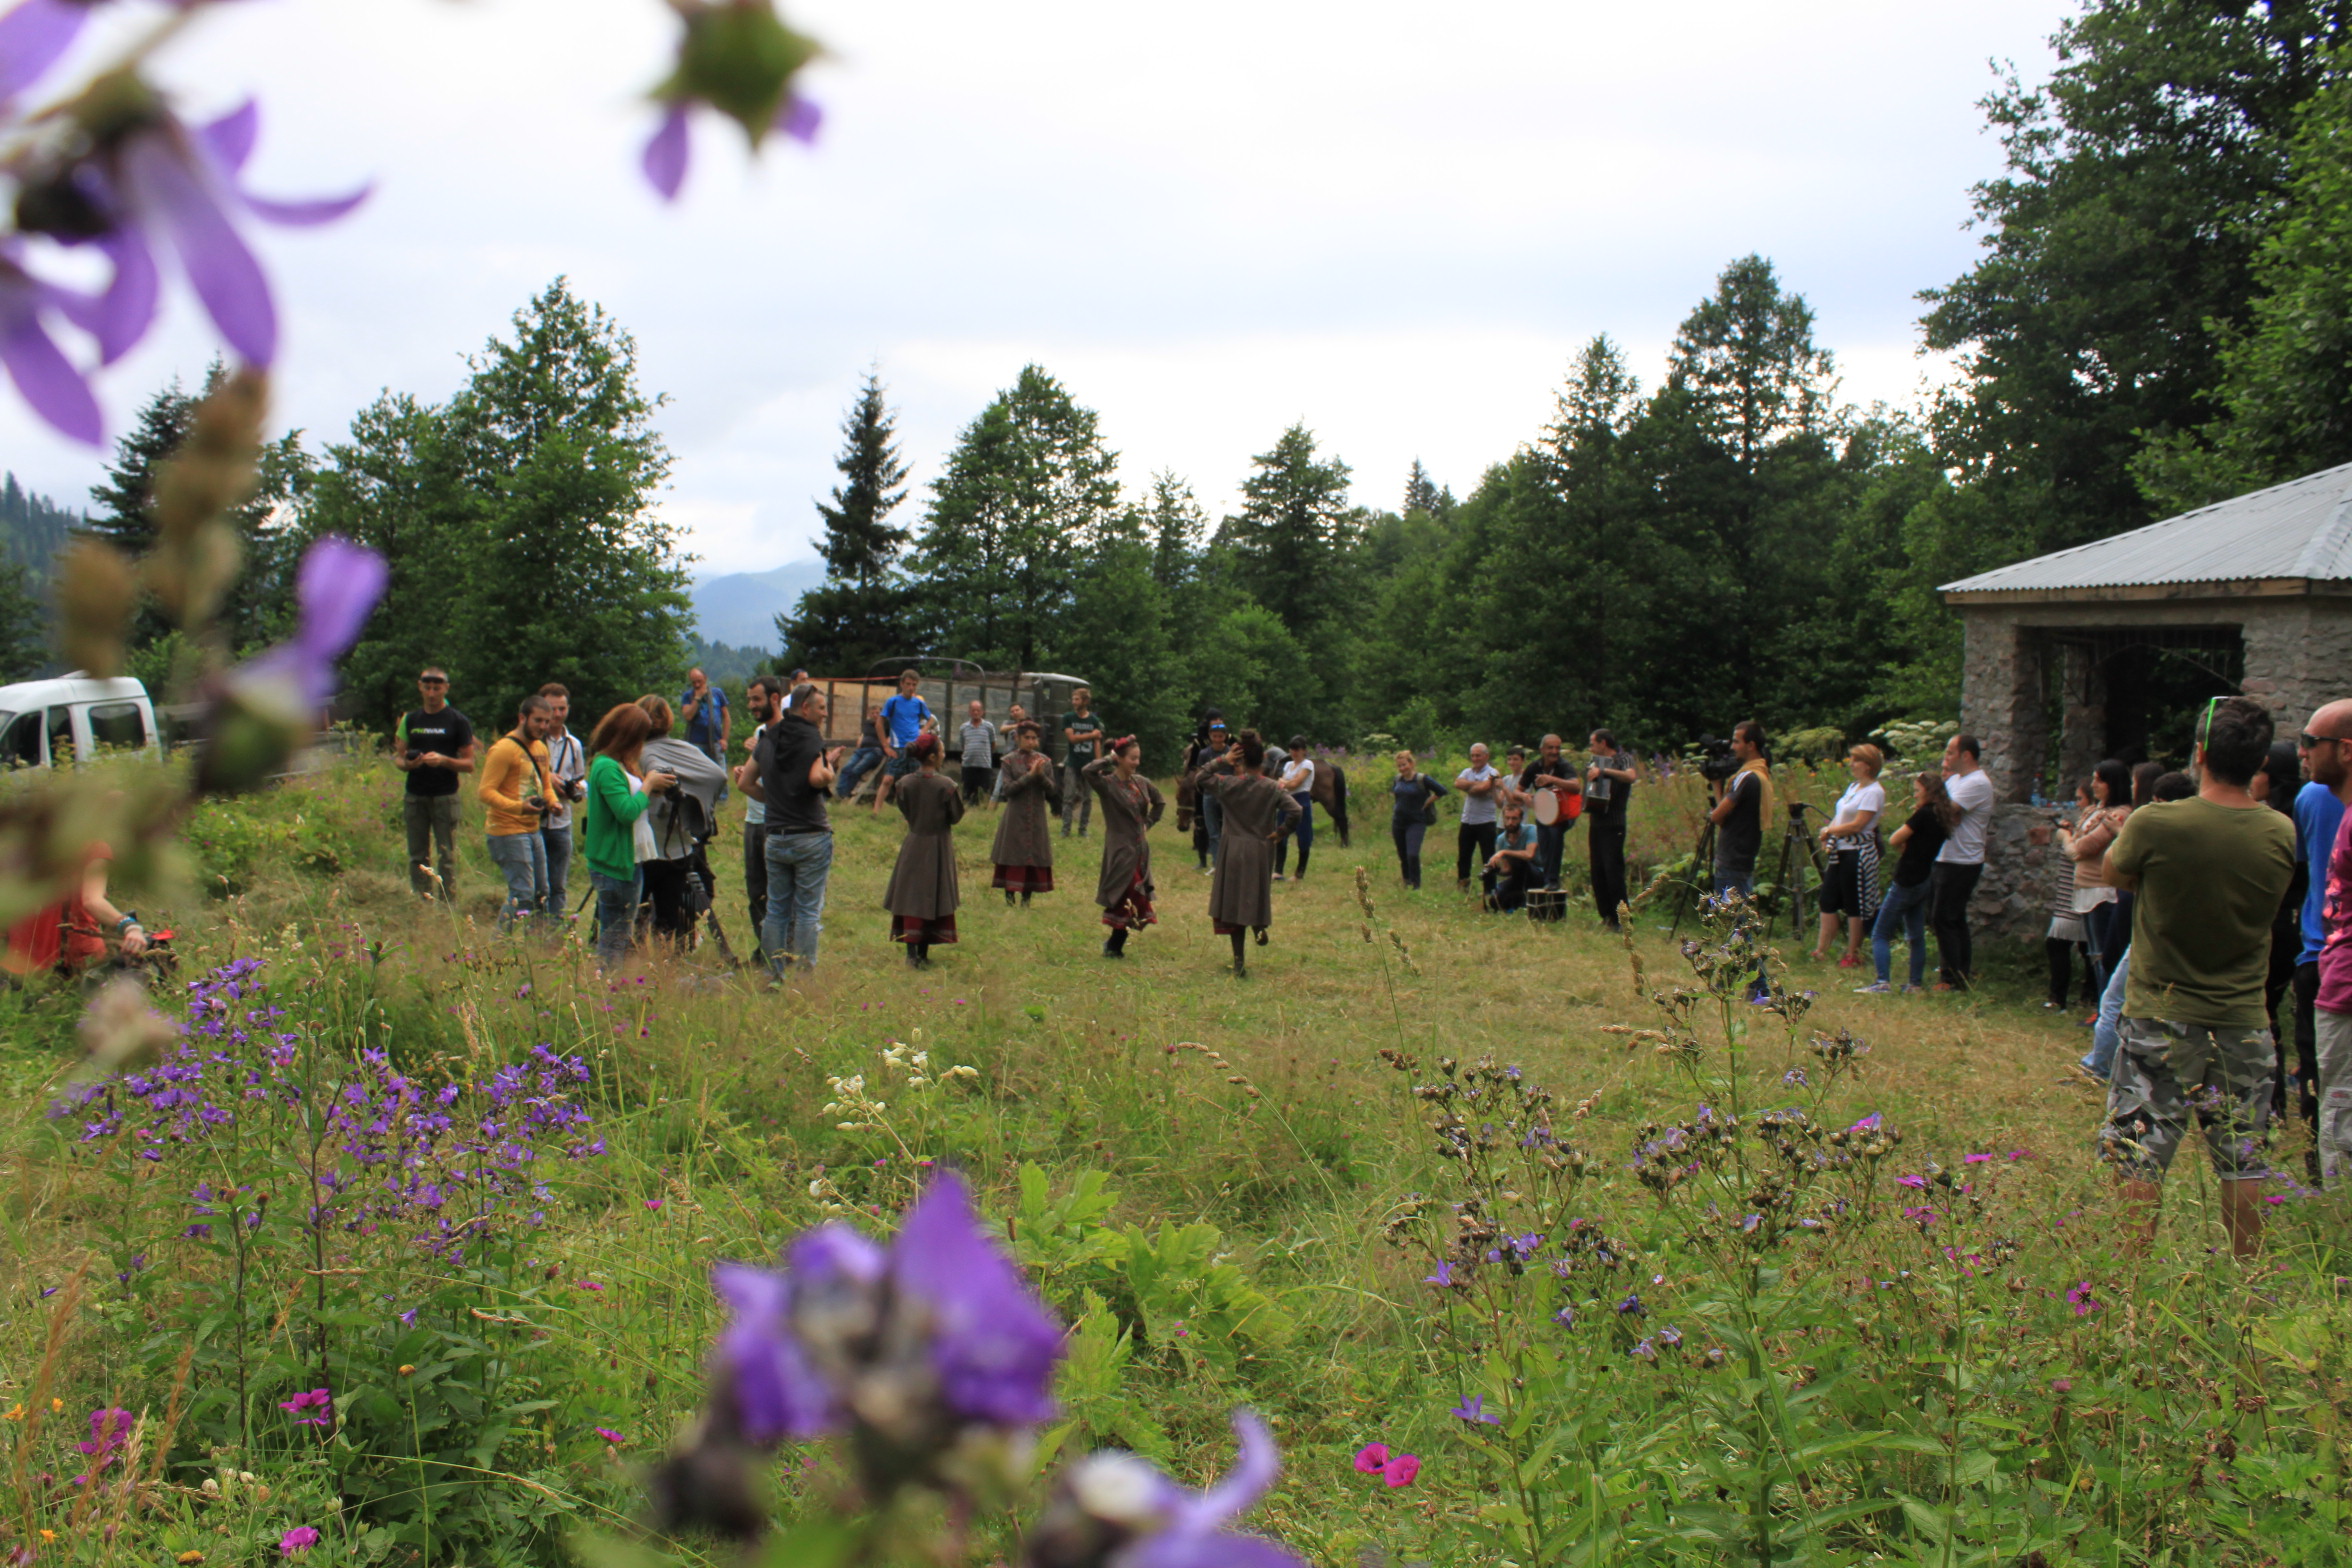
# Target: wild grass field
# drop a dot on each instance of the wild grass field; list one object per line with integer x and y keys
{"x": 1424, "y": 1167}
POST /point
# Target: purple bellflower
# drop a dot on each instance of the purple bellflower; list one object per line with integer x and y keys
{"x": 144, "y": 180}
{"x": 34, "y": 37}
{"x": 335, "y": 592}
{"x": 934, "y": 1335}
{"x": 1114, "y": 1510}
{"x": 736, "y": 58}
{"x": 668, "y": 152}
{"x": 51, "y": 385}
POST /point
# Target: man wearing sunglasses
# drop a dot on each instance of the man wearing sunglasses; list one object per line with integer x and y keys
{"x": 2209, "y": 871}
{"x": 2323, "y": 980}
{"x": 433, "y": 746}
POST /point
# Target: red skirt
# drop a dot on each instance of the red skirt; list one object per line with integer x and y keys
{"x": 1227, "y": 928}
{"x": 1133, "y": 910}
{"x": 1025, "y": 879}
{"x": 931, "y": 933}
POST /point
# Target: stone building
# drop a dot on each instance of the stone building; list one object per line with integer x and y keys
{"x": 2108, "y": 648}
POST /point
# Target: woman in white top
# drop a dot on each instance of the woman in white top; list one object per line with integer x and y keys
{"x": 1298, "y": 782}
{"x": 1851, "y": 838}
{"x": 1482, "y": 792}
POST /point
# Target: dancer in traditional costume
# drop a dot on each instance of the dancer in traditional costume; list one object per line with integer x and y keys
{"x": 1258, "y": 814}
{"x": 1131, "y": 804}
{"x": 1024, "y": 834}
{"x": 922, "y": 895}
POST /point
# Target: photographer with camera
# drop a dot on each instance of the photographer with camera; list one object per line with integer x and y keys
{"x": 567, "y": 764}
{"x": 1742, "y": 778}
{"x": 520, "y": 794}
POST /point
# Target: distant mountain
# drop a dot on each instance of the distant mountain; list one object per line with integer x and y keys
{"x": 741, "y": 607}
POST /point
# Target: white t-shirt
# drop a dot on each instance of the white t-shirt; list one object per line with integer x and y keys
{"x": 1857, "y": 799}
{"x": 1973, "y": 794}
{"x": 1476, "y": 808}
{"x": 641, "y": 831}
{"x": 755, "y": 813}
{"x": 1303, "y": 770}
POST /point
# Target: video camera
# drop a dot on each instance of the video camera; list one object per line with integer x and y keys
{"x": 1716, "y": 763}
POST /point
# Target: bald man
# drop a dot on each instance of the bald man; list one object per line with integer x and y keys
{"x": 1549, "y": 771}
{"x": 2323, "y": 1037}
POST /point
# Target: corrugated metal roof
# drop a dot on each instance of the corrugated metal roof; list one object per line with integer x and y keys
{"x": 2301, "y": 529}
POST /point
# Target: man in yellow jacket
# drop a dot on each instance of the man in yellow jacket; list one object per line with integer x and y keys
{"x": 519, "y": 792}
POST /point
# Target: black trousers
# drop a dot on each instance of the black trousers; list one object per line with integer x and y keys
{"x": 1551, "y": 851}
{"x": 1473, "y": 836}
{"x": 1408, "y": 836}
{"x": 1607, "y": 837}
{"x": 1949, "y": 891}
{"x": 665, "y": 891}
{"x": 976, "y": 784}
{"x": 2306, "y": 1043}
{"x": 755, "y": 873}
{"x": 2060, "y": 953}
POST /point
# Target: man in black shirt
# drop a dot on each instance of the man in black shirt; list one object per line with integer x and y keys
{"x": 1608, "y": 794}
{"x": 1739, "y": 812}
{"x": 433, "y": 746}
{"x": 796, "y": 773}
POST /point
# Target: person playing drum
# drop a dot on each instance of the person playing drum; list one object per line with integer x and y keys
{"x": 1549, "y": 771}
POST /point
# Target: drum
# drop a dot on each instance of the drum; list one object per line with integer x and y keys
{"x": 1547, "y": 806}
{"x": 1547, "y": 903}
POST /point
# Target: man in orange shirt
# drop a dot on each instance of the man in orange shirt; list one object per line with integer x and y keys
{"x": 519, "y": 793}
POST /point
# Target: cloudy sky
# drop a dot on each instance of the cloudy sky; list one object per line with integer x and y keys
{"x": 1394, "y": 222}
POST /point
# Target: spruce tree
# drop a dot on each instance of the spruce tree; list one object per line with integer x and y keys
{"x": 860, "y": 614}
{"x": 1294, "y": 530}
{"x": 1421, "y": 493}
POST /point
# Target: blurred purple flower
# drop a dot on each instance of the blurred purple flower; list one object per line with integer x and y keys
{"x": 298, "y": 1540}
{"x": 666, "y": 154}
{"x": 1152, "y": 1522}
{"x": 1473, "y": 1410}
{"x": 34, "y": 37}
{"x": 608, "y": 1434}
{"x": 776, "y": 1389}
{"x": 994, "y": 1346}
{"x": 1868, "y": 1123}
{"x": 335, "y": 592}
{"x": 53, "y": 388}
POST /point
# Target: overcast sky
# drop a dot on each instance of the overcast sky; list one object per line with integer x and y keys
{"x": 1394, "y": 222}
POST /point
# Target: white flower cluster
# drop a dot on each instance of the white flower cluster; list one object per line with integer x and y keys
{"x": 850, "y": 1099}
{"x": 899, "y": 1056}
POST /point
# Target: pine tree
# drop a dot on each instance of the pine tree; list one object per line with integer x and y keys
{"x": 1028, "y": 488}
{"x": 1293, "y": 530}
{"x": 1421, "y": 494}
{"x": 24, "y": 625}
{"x": 1177, "y": 528}
{"x": 860, "y": 615}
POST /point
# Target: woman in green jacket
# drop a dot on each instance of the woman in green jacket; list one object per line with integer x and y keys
{"x": 614, "y": 818}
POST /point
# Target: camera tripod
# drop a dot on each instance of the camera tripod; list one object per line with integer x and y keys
{"x": 1798, "y": 853}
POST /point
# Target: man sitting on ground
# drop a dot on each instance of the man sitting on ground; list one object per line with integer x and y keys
{"x": 2209, "y": 872}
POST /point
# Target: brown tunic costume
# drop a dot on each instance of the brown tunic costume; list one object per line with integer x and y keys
{"x": 1129, "y": 808}
{"x": 1242, "y": 892}
{"x": 1023, "y": 852}
{"x": 922, "y": 894}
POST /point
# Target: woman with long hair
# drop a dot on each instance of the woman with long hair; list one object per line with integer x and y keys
{"x": 922, "y": 896}
{"x": 1298, "y": 782}
{"x": 1023, "y": 851}
{"x": 614, "y": 828}
{"x": 1904, "y": 909}
{"x": 2106, "y": 913}
{"x": 1257, "y": 814}
{"x": 1131, "y": 804}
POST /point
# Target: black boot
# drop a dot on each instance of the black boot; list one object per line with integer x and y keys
{"x": 914, "y": 955}
{"x": 1115, "y": 945}
{"x": 1008, "y": 898}
{"x": 1240, "y": 965}
{"x": 1302, "y": 876}
{"x": 1024, "y": 898}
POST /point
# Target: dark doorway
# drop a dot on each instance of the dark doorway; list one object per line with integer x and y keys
{"x": 2157, "y": 683}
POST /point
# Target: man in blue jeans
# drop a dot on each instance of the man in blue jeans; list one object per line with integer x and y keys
{"x": 796, "y": 772}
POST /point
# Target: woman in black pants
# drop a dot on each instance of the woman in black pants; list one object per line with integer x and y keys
{"x": 1416, "y": 809}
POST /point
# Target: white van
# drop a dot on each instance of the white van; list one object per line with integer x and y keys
{"x": 44, "y": 723}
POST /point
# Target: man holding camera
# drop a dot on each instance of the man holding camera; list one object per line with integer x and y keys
{"x": 567, "y": 764}
{"x": 433, "y": 745}
{"x": 519, "y": 793}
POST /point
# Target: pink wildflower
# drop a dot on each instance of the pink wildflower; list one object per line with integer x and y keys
{"x": 1371, "y": 1458}
{"x": 1401, "y": 1470}
{"x": 298, "y": 1540}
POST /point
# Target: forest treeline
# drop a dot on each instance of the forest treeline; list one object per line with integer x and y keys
{"x": 2160, "y": 315}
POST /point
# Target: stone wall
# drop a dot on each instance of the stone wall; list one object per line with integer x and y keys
{"x": 2298, "y": 655}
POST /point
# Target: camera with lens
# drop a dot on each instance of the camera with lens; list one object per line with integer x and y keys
{"x": 1716, "y": 762}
